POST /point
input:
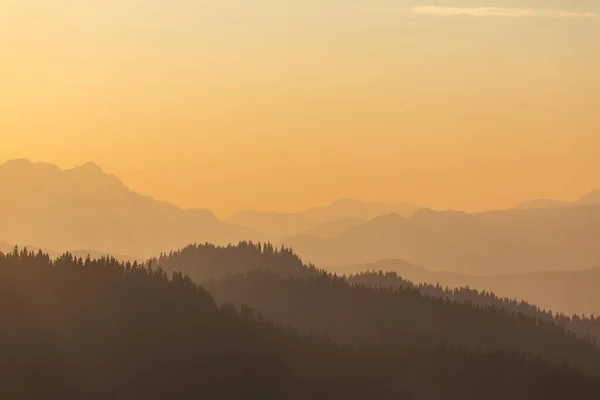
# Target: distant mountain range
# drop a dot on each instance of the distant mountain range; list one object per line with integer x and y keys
{"x": 85, "y": 208}
{"x": 542, "y": 204}
{"x": 513, "y": 241}
{"x": 569, "y": 292}
{"x": 343, "y": 213}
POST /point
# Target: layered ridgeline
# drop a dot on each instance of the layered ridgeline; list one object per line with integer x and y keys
{"x": 100, "y": 329}
{"x": 96, "y": 211}
{"x": 570, "y": 292}
{"x": 496, "y": 242}
{"x": 391, "y": 315}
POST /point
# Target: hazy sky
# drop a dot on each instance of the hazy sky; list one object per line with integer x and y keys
{"x": 282, "y": 105}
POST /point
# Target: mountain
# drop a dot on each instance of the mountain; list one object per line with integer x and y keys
{"x": 352, "y": 309}
{"x": 498, "y": 242}
{"x": 592, "y": 198}
{"x": 103, "y": 329}
{"x": 569, "y": 292}
{"x": 291, "y": 224}
{"x": 96, "y": 211}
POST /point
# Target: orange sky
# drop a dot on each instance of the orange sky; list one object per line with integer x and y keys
{"x": 284, "y": 106}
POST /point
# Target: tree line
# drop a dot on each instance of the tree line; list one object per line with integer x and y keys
{"x": 99, "y": 328}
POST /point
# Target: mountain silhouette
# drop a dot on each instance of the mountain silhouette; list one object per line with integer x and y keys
{"x": 85, "y": 208}
{"x": 290, "y": 224}
{"x": 592, "y": 198}
{"x": 513, "y": 241}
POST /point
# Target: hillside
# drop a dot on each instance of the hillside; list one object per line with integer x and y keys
{"x": 542, "y": 204}
{"x": 275, "y": 282}
{"x": 570, "y": 292}
{"x": 100, "y": 329}
{"x": 96, "y": 211}
{"x": 581, "y": 325}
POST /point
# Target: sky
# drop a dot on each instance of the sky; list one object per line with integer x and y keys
{"x": 273, "y": 105}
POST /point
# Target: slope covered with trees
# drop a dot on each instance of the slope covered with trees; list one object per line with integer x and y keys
{"x": 97, "y": 329}
{"x": 578, "y": 288}
{"x": 583, "y": 326}
{"x": 396, "y": 319}
{"x": 382, "y": 309}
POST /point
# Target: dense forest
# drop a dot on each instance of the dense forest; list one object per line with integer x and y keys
{"x": 382, "y": 309}
{"x": 97, "y": 329}
{"x": 396, "y": 319}
{"x": 584, "y": 326}
{"x": 207, "y": 262}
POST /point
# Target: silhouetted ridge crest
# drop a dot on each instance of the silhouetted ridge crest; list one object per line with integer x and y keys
{"x": 206, "y": 261}
{"x": 24, "y": 165}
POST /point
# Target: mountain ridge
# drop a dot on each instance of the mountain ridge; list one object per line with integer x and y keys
{"x": 97, "y": 211}
{"x": 506, "y": 241}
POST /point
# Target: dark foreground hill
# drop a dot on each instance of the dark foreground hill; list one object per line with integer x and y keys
{"x": 383, "y": 310}
{"x": 97, "y": 329}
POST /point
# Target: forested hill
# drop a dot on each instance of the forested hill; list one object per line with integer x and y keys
{"x": 99, "y": 329}
{"x": 396, "y": 319}
{"x": 583, "y": 326}
{"x": 208, "y": 262}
